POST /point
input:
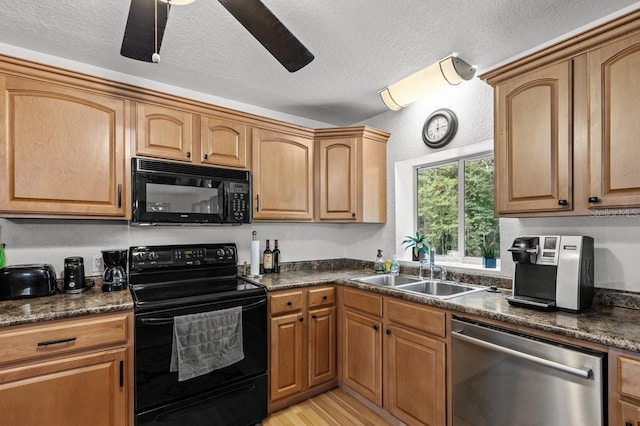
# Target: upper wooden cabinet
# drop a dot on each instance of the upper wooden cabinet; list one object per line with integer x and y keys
{"x": 282, "y": 176}
{"x": 164, "y": 132}
{"x": 351, "y": 175}
{"x": 566, "y": 124}
{"x": 533, "y": 141}
{"x": 62, "y": 150}
{"x": 614, "y": 153}
{"x": 223, "y": 142}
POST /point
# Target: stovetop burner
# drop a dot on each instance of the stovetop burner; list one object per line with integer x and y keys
{"x": 180, "y": 275}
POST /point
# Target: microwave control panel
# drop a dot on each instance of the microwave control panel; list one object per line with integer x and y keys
{"x": 239, "y": 203}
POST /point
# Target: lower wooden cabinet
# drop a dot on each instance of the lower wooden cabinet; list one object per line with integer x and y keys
{"x": 624, "y": 388}
{"x": 302, "y": 354}
{"x": 76, "y": 390}
{"x": 68, "y": 372}
{"x": 394, "y": 354}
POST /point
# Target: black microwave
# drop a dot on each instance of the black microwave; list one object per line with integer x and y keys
{"x": 172, "y": 193}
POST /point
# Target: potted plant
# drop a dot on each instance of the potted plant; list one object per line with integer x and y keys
{"x": 418, "y": 244}
{"x": 489, "y": 255}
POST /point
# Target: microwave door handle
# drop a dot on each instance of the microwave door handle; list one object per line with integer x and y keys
{"x": 226, "y": 214}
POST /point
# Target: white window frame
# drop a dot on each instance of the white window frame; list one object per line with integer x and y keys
{"x": 406, "y": 189}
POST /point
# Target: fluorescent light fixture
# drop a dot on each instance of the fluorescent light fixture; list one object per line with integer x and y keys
{"x": 451, "y": 70}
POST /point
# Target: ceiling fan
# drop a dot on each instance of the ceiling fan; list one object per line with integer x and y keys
{"x": 148, "y": 18}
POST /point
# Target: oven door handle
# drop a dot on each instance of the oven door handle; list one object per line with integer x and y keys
{"x": 585, "y": 373}
{"x": 155, "y": 321}
{"x": 163, "y": 321}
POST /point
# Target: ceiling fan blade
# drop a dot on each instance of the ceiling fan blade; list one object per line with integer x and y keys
{"x": 270, "y": 32}
{"x": 139, "y": 34}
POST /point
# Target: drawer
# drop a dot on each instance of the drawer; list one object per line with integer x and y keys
{"x": 59, "y": 337}
{"x": 322, "y": 296}
{"x": 629, "y": 376}
{"x": 280, "y": 303}
{"x": 362, "y": 301}
{"x": 416, "y": 316}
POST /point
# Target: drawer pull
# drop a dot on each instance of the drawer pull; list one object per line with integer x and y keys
{"x": 289, "y": 303}
{"x": 563, "y": 203}
{"x": 121, "y": 374}
{"x": 324, "y": 297}
{"x": 594, "y": 200}
{"x": 57, "y": 342}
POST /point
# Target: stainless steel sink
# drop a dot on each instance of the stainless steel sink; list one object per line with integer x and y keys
{"x": 441, "y": 290}
{"x": 388, "y": 280}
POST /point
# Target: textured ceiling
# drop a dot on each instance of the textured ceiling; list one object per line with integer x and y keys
{"x": 360, "y": 46}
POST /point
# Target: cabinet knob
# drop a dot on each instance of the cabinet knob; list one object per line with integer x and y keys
{"x": 188, "y": 154}
{"x": 289, "y": 303}
{"x": 301, "y": 319}
{"x": 375, "y": 327}
{"x": 324, "y": 297}
{"x": 388, "y": 332}
{"x": 353, "y": 215}
{"x": 594, "y": 199}
{"x": 628, "y": 424}
{"x": 314, "y": 316}
{"x": 563, "y": 203}
{"x": 206, "y": 156}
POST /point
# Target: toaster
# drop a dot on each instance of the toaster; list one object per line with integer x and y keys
{"x": 19, "y": 281}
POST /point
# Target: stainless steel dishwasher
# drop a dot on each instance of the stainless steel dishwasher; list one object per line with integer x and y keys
{"x": 505, "y": 378}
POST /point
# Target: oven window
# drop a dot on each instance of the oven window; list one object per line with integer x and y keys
{"x": 178, "y": 198}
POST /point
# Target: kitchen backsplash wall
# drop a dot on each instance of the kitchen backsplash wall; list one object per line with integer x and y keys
{"x": 50, "y": 241}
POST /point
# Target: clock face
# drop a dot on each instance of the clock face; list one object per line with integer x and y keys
{"x": 437, "y": 128}
{"x": 440, "y": 128}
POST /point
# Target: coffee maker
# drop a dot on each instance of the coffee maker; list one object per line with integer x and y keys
{"x": 553, "y": 271}
{"x": 115, "y": 275}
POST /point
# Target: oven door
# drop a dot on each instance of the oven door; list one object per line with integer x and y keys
{"x": 157, "y": 387}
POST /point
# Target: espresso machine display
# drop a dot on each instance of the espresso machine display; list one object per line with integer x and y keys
{"x": 115, "y": 276}
{"x": 553, "y": 271}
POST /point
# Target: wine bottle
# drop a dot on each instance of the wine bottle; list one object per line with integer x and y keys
{"x": 276, "y": 257}
{"x": 267, "y": 260}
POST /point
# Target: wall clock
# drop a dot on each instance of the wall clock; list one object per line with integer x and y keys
{"x": 439, "y": 128}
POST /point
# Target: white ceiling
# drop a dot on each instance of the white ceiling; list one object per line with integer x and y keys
{"x": 360, "y": 46}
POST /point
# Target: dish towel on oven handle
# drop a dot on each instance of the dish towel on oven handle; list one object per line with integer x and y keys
{"x": 206, "y": 341}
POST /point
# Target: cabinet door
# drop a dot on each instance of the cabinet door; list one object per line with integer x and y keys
{"x": 223, "y": 142}
{"x": 533, "y": 147}
{"x": 362, "y": 355}
{"x": 80, "y": 390}
{"x": 337, "y": 178}
{"x": 286, "y": 356}
{"x": 282, "y": 176}
{"x": 322, "y": 345}
{"x": 628, "y": 414}
{"x": 62, "y": 150}
{"x": 163, "y": 132}
{"x": 416, "y": 382}
{"x": 615, "y": 105}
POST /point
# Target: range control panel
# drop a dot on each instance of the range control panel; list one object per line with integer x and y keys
{"x": 159, "y": 257}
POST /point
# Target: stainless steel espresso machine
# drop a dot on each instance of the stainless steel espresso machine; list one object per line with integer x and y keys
{"x": 553, "y": 271}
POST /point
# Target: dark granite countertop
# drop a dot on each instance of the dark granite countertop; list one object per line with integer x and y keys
{"x": 62, "y": 305}
{"x": 602, "y": 324}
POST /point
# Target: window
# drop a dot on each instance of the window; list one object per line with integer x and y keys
{"x": 455, "y": 208}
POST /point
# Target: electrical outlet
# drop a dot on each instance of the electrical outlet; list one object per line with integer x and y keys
{"x": 96, "y": 263}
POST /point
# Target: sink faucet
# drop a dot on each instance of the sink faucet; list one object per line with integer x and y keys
{"x": 443, "y": 273}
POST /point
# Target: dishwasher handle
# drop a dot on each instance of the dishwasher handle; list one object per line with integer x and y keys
{"x": 584, "y": 373}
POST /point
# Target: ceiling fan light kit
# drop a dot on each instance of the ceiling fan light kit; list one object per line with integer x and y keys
{"x": 146, "y": 23}
{"x": 449, "y": 71}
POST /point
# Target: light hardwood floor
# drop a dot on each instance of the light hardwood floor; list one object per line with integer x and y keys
{"x": 333, "y": 408}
